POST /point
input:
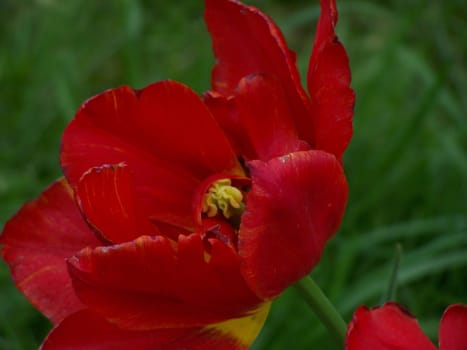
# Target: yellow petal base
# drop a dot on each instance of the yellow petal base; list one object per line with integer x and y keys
{"x": 245, "y": 329}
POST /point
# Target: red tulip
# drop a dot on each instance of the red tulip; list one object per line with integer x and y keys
{"x": 196, "y": 212}
{"x": 391, "y": 327}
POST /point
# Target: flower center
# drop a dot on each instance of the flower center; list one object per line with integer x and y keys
{"x": 223, "y": 197}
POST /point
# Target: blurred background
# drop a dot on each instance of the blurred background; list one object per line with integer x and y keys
{"x": 407, "y": 163}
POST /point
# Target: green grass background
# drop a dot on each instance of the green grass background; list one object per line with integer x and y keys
{"x": 407, "y": 163}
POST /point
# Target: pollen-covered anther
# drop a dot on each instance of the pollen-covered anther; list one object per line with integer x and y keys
{"x": 224, "y": 197}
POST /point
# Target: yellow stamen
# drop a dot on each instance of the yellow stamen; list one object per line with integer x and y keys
{"x": 224, "y": 197}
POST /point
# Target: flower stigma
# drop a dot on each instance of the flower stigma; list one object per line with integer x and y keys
{"x": 224, "y": 197}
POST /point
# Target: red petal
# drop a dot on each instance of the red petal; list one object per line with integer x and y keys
{"x": 87, "y": 331}
{"x": 36, "y": 242}
{"x": 164, "y": 133}
{"x": 245, "y": 42}
{"x": 328, "y": 83}
{"x": 152, "y": 282}
{"x": 295, "y": 205}
{"x": 453, "y": 328}
{"x": 385, "y": 328}
{"x": 224, "y": 110}
{"x": 266, "y": 117}
{"x": 106, "y": 196}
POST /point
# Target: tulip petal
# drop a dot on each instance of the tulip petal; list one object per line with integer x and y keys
{"x": 329, "y": 85}
{"x": 266, "y": 116}
{"x": 295, "y": 206}
{"x": 86, "y": 330}
{"x": 388, "y": 327}
{"x": 36, "y": 242}
{"x": 164, "y": 133}
{"x": 453, "y": 328}
{"x": 246, "y": 41}
{"x": 106, "y": 197}
{"x": 224, "y": 110}
{"x": 153, "y": 282}
{"x": 244, "y": 330}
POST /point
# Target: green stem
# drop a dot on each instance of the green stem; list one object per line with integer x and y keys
{"x": 322, "y": 307}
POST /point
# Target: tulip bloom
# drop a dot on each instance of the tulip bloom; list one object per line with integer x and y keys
{"x": 390, "y": 327}
{"x": 180, "y": 218}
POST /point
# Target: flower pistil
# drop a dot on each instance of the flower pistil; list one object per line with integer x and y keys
{"x": 223, "y": 197}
